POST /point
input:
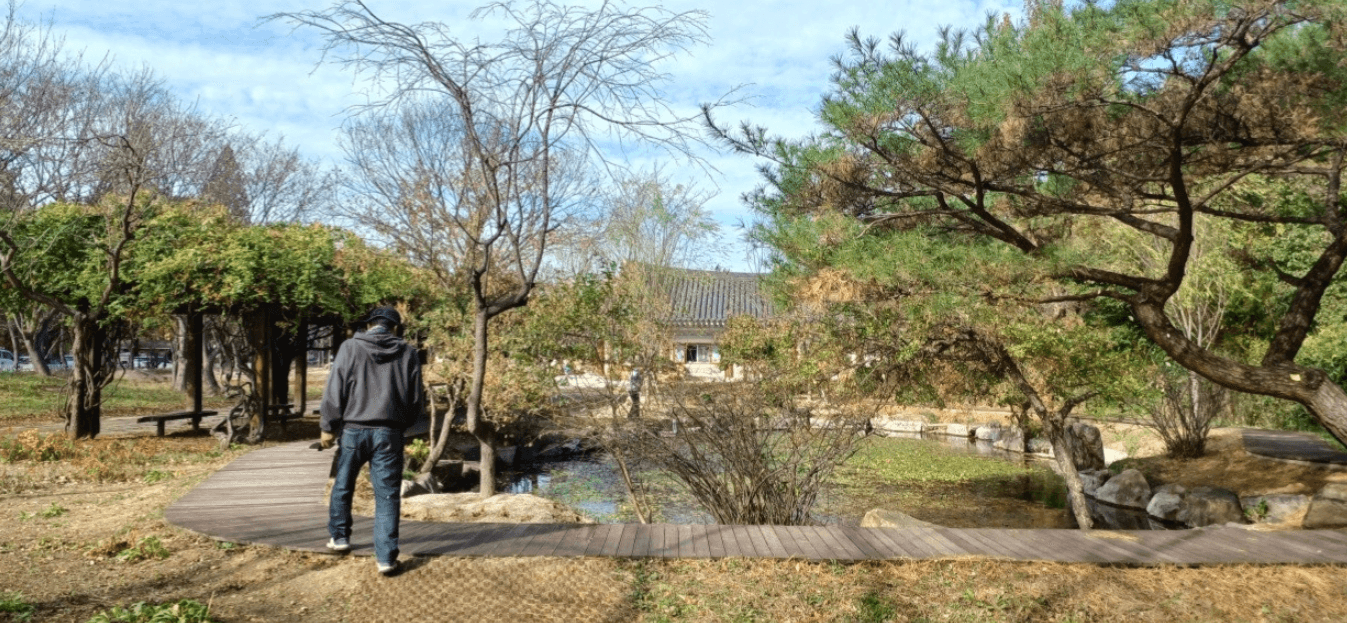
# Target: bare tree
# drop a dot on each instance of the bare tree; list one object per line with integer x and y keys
{"x": 527, "y": 107}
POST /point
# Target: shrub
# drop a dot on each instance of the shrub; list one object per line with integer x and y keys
{"x": 145, "y": 549}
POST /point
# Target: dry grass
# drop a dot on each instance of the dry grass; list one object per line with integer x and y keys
{"x": 969, "y": 590}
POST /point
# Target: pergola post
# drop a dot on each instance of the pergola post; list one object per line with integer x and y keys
{"x": 260, "y": 330}
{"x": 301, "y": 365}
{"x": 192, "y": 369}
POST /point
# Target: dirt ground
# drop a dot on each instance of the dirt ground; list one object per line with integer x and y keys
{"x": 74, "y": 548}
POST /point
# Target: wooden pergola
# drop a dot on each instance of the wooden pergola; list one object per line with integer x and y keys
{"x": 273, "y": 358}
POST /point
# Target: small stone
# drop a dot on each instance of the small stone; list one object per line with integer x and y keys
{"x": 1166, "y": 501}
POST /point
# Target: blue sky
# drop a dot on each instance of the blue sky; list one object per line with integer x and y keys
{"x": 265, "y": 77}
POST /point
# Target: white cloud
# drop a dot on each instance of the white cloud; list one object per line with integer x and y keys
{"x": 263, "y": 75}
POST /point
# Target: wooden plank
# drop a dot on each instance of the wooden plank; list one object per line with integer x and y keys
{"x": 994, "y": 547}
{"x": 909, "y": 542}
{"x": 936, "y": 540}
{"x": 656, "y": 548}
{"x": 598, "y": 538}
{"x": 816, "y": 542}
{"x": 512, "y": 541}
{"x": 836, "y": 546}
{"x": 613, "y": 545}
{"x": 881, "y": 541}
{"x": 573, "y": 541}
{"x": 686, "y": 549}
{"x": 859, "y": 541}
{"x": 715, "y": 543}
{"x": 955, "y": 537}
{"x": 641, "y": 541}
{"x": 701, "y": 544}
{"x": 546, "y": 542}
{"x": 796, "y": 546}
{"x": 749, "y": 543}
{"x": 484, "y": 540}
{"x": 775, "y": 547}
{"x": 732, "y": 544}
{"x": 626, "y": 548}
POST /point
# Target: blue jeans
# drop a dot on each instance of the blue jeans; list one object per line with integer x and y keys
{"x": 382, "y": 449}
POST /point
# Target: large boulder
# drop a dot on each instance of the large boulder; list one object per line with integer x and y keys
{"x": 1091, "y": 480}
{"x": 991, "y": 431}
{"x": 889, "y": 426}
{"x": 1328, "y": 509}
{"x": 958, "y": 430}
{"x": 1210, "y": 506}
{"x": 1039, "y": 445}
{"x": 500, "y": 508}
{"x": 1086, "y": 445}
{"x": 1128, "y": 489}
{"x": 1275, "y": 508}
{"x": 1011, "y": 440}
{"x": 880, "y": 518}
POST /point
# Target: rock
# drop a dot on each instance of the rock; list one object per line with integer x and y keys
{"x": 958, "y": 430}
{"x": 887, "y": 426}
{"x": 1328, "y": 508}
{"x": 1208, "y": 506}
{"x": 570, "y": 447}
{"x": 1166, "y": 501}
{"x": 1086, "y": 445}
{"x": 1126, "y": 489}
{"x": 991, "y": 431}
{"x": 1275, "y": 508}
{"x": 1011, "y": 440}
{"x": 422, "y": 485}
{"x": 447, "y": 472}
{"x": 411, "y": 488}
{"x": 500, "y": 508}
{"x": 880, "y": 518}
{"x": 1039, "y": 445}
{"x": 1091, "y": 480}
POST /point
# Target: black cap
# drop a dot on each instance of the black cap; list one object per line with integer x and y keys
{"x": 387, "y": 313}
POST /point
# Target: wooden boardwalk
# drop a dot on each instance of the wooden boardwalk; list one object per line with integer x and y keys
{"x": 274, "y": 496}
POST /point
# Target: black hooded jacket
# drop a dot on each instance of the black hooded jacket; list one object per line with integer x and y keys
{"x": 375, "y": 383}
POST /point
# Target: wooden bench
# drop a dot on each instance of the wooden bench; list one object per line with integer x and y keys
{"x": 159, "y": 420}
{"x": 282, "y": 413}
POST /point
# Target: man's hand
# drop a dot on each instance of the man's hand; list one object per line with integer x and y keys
{"x": 326, "y": 440}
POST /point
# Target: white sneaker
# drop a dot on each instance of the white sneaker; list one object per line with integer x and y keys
{"x": 388, "y": 569}
{"x": 339, "y": 545}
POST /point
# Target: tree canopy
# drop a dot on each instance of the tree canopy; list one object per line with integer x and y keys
{"x": 1030, "y": 144}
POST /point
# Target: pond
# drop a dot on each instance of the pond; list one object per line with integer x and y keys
{"x": 947, "y": 481}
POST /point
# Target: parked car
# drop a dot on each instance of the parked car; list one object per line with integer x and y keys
{"x": 70, "y": 362}
{"x": 24, "y": 365}
{"x": 7, "y": 362}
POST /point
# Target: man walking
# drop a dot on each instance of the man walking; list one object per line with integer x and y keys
{"x": 373, "y": 394}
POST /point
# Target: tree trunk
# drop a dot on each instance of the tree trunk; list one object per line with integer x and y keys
{"x": 479, "y": 428}
{"x": 1066, "y": 463}
{"x": 208, "y": 370}
{"x": 1308, "y": 386}
{"x": 181, "y": 329}
{"x": 86, "y": 388}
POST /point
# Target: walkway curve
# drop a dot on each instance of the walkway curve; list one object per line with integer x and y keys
{"x": 275, "y": 496}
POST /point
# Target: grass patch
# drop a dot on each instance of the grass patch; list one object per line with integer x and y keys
{"x": 16, "y": 605}
{"x": 896, "y": 461}
{"x": 140, "y": 459}
{"x": 184, "y": 611}
{"x": 30, "y": 396}
{"x": 147, "y": 548}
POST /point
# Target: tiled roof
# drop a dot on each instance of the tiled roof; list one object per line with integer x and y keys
{"x": 703, "y": 298}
